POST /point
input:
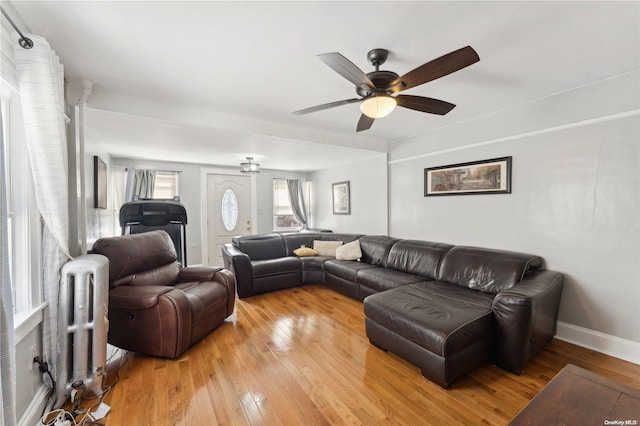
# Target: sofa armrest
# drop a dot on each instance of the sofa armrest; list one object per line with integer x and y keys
{"x": 526, "y": 317}
{"x": 135, "y": 310}
{"x": 212, "y": 273}
{"x": 197, "y": 273}
{"x": 226, "y": 278}
{"x": 240, "y": 264}
{"x": 136, "y": 297}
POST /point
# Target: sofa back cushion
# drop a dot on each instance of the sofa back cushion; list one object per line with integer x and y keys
{"x": 148, "y": 258}
{"x": 326, "y": 248}
{"x": 164, "y": 275}
{"x": 417, "y": 257}
{"x": 296, "y": 240}
{"x": 375, "y": 249}
{"x": 261, "y": 247}
{"x": 486, "y": 270}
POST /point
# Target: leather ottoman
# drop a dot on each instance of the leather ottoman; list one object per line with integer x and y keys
{"x": 446, "y": 334}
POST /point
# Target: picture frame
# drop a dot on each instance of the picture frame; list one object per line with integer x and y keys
{"x": 341, "y": 193}
{"x": 99, "y": 183}
{"x": 491, "y": 176}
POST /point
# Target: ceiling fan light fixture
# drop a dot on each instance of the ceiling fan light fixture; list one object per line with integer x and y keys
{"x": 250, "y": 167}
{"x": 378, "y": 106}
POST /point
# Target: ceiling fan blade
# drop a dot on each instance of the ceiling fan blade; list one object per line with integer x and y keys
{"x": 326, "y": 106}
{"x": 364, "y": 123}
{"x": 444, "y": 65}
{"x": 421, "y": 103}
{"x": 346, "y": 68}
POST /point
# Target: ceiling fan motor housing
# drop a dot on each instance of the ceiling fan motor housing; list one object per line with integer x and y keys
{"x": 381, "y": 79}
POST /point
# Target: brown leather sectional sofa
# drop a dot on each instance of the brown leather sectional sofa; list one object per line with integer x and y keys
{"x": 446, "y": 309}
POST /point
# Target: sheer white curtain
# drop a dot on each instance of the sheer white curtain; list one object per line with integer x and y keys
{"x": 40, "y": 76}
{"x": 7, "y": 345}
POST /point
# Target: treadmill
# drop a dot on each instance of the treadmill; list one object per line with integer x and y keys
{"x": 144, "y": 215}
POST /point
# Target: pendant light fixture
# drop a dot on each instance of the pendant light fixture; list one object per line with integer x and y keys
{"x": 249, "y": 167}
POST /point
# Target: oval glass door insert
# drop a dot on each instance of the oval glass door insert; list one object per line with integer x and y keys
{"x": 229, "y": 209}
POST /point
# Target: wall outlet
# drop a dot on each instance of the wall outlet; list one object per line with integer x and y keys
{"x": 32, "y": 355}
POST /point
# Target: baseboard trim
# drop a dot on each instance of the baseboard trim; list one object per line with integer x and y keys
{"x": 34, "y": 411}
{"x": 627, "y": 350}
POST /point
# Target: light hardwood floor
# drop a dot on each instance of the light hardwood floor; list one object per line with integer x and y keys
{"x": 301, "y": 357}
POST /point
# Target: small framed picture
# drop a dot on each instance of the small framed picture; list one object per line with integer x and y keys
{"x": 341, "y": 198}
{"x": 491, "y": 176}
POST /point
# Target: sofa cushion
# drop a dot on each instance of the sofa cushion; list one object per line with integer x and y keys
{"x": 417, "y": 257}
{"x": 131, "y": 256}
{"x": 435, "y": 321}
{"x": 305, "y": 251}
{"x": 486, "y": 270}
{"x": 375, "y": 249}
{"x": 261, "y": 247}
{"x": 294, "y": 240}
{"x": 283, "y": 265}
{"x": 326, "y": 248}
{"x": 162, "y": 275}
{"x": 203, "y": 297}
{"x": 381, "y": 279}
{"x": 346, "y": 269}
{"x": 349, "y": 251}
{"x": 314, "y": 263}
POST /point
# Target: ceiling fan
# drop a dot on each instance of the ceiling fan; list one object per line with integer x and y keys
{"x": 376, "y": 88}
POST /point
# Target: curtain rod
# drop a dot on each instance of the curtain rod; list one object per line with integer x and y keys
{"x": 24, "y": 42}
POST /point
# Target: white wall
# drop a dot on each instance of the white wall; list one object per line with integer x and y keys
{"x": 369, "y": 197}
{"x": 575, "y": 198}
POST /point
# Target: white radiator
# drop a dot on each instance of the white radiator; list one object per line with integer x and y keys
{"x": 83, "y": 325}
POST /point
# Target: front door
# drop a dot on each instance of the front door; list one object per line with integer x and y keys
{"x": 228, "y": 212}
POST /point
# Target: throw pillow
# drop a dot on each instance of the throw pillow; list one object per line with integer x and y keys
{"x": 326, "y": 248}
{"x": 305, "y": 251}
{"x": 349, "y": 251}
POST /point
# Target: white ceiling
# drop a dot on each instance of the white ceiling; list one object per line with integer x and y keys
{"x": 212, "y": 82}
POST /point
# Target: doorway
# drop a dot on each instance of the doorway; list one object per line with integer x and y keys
{"x": 228, "y": 212}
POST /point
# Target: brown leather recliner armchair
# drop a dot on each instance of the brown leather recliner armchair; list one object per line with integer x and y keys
{"x": 156, "y": 306}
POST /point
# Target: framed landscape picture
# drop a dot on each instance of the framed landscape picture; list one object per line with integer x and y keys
{"x": 341, "y": 198}
{"x": 491, "y": 176}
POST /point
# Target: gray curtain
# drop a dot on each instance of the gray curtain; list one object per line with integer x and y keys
{"x": 143, "y": 183}
{"x": 7, "y": 345}
{"x": 297, "y": 201}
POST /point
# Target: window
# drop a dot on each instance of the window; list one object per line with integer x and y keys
{"x": 283, "y": 218}
{"x": 166, "y": 185}
{"x": 23, "y": 217}
{"x": 229, "y": 209}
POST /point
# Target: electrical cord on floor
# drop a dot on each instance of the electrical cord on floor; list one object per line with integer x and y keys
{"x": 61, "y": 418}
{"x": 66, "y": 418}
